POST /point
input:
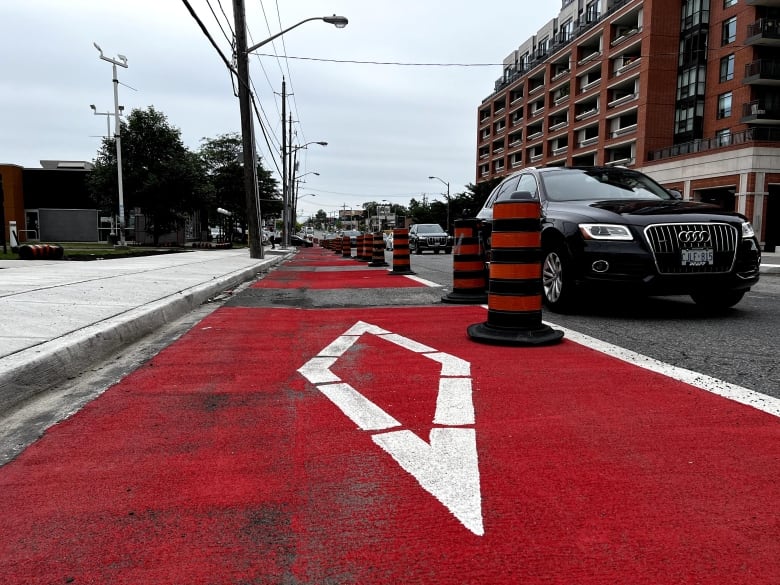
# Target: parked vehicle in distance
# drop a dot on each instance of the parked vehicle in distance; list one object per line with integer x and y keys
{"x": 616, "y": 229}
{"x": 353, "y": 234}
{"x": 296, "y": 240}
{"x": 429, "y": 236}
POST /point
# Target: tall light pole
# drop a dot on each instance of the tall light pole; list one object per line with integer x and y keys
{"x": 247, "y": 122}
{"x": 289, "y": 182}
{"x": 447, "y": 228}
{"x": 122, "y": 62}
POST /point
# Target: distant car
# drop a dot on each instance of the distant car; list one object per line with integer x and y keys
{"x": 300, "y": 242}
{"x": 616, "y": 229}
{"x": 429, "y": 236}
{"x": 353, "y": 234}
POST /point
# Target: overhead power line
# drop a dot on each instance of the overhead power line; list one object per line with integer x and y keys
{"x": 399, "y": 63}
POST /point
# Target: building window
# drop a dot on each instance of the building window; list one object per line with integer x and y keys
{"x": 727, "y": 3}
{"x": 729, "y": 31}
{"x": 591, "y": 12}
{"x": 727, "y": 68}
{"x": 723, "y": 137}
{"x": 724, "y": 105}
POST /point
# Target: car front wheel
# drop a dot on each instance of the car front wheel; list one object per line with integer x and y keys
{"x": 557, "y": 283}
{"x": 718, "y": 300}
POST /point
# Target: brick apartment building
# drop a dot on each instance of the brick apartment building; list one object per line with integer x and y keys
{"x": 687, "y": 91}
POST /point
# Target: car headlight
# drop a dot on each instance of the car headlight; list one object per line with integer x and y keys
{"x": 747, "y": 230}
{"x": 605, "y": 231}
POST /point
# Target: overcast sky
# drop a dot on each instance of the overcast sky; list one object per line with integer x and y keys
{"x": 388, "y": 127}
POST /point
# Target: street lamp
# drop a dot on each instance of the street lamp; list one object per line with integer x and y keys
{"x": 337, "y": 21}
{"x": 247, "y": 122}
{"x": 108, "y": 117}
{"x": 296, "y": 184}
{"x": 122, "y": 62}
{"x": 289, "y": 186}
{"x": 447, "y": 229}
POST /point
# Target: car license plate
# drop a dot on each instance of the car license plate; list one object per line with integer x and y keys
{"x": 697, "y": 257}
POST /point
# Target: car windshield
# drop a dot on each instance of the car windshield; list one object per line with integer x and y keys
{"x": 580, "y": 185}
{"x": 429, "y": 229}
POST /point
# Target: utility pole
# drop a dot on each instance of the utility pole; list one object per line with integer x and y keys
{"x": 284, "y": 166}
{"x": 247, "y": 133}
{"x": 290, "y": 181}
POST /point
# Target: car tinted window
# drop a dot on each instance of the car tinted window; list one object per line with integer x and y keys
{"x": 577, "y": 185}
{"x": 429, "y": 229}
{"x": 507, "y": 187}
{"x": 528, "y": 183}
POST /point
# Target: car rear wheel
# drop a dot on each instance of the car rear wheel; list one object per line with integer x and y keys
{"x": 718, "y": 300}
{"x": 557, "y": 283}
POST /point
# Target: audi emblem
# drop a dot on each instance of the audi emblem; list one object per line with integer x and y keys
{"x": 694, "y": 237}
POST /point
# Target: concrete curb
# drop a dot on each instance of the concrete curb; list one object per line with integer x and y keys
{"x": 43, "y": 367}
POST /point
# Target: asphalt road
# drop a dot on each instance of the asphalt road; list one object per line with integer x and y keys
{"x": 739, "y": 346}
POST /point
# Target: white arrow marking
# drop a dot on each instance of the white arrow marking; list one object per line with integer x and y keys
{"x": 364, "y": 413}
{"x": 454, "y": 405}
{"x": 448, "y": 466}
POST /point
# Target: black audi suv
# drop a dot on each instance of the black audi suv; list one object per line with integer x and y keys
{"x": 618, "y": 230}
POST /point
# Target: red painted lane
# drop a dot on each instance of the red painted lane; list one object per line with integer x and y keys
{"x": 335, "y": 280}
{"x": 317, "y": 256}
{"x": 218, "y": 462}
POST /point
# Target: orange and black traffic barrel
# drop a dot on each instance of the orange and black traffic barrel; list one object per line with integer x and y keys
{"x": 337, "y": 242}
{"x": 346, "y": 247}
{"x": 469, "y": 285}
{"x": 378, "y": 256}
{"x": 360, "y": 254}
{"x": 515, "y": 281}
{"x": 401, "y": 263}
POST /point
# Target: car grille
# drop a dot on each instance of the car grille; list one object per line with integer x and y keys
{"x": 664, "y": 240}
{"x": 436, "y": 240}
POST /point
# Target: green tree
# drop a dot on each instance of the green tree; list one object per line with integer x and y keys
{"x": 222, "y": 160}
{"x": 160, "y": 175}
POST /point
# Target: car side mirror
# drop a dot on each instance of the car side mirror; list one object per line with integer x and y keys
{"x": 675, "y": 194}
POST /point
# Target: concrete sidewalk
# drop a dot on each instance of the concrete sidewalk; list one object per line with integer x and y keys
{"x": 59, "y": 318}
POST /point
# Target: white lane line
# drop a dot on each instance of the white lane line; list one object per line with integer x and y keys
{"x": 727, "y": 390}
{"x": 422, "y": 281}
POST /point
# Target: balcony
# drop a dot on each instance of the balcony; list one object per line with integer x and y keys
{"x": 762, "y": 72}
{"x": 626, "y": 63}
{"x": 623, "y": 34}
{"x": 756, "y": 112}
{"x": 624, "y": 130}
{"x": 622, "y": 99}
{"x": 588, "y": 141}
{"x": 751, "y": 136}
{"x": 765, "y": 32}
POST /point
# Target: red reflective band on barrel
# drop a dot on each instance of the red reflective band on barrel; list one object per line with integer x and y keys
{"x": 466, "y": 249}
{"x": 515, "y": 271}
{"x": 468, "y": 265}
{"x": 516, "y": 239}
{"x": 470, "y": 283}
{"x": 514, "y": 303}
